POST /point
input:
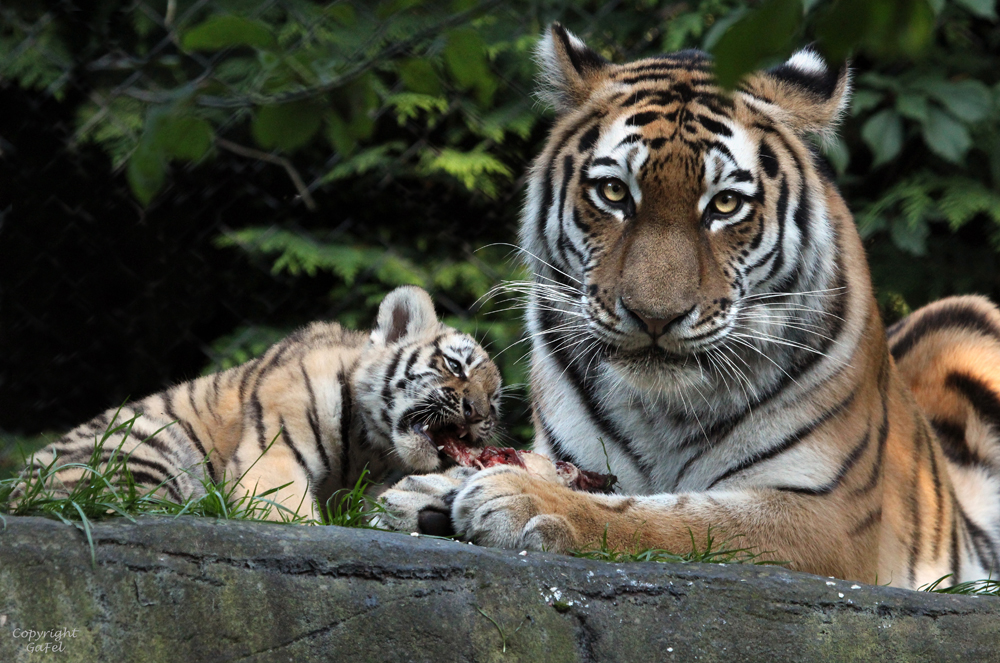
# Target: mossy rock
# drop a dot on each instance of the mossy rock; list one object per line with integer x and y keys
{"x": 195, "y": 589}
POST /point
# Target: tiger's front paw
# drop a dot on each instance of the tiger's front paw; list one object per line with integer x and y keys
{"x": 422, "y": 502}
{"x": 507, "y": 507}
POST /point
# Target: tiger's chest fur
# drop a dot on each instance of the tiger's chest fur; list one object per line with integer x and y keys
{"x": 304, "y": 419}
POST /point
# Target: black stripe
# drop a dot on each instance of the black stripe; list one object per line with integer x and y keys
{"x": 211, "y": 401}
{"x": 952, "y": 316}
{"x": 951, "y": 437}
{"x": 390, "y": 372}
{"x": 883, "y": 435}
{"x": 148, "y": 480}
{"x": 822, "y": 84}
{"x": 188, "y": 430}
{"x": 983, "y": 399}
{"x": 166, "y": 477}
{"x": 981, "y": 542}
{"x": 408, "y": 371}
{"x": 914, "y": 502}
{"x": 845, "y": 467}
{"x": 603, "y": 161}
{"x": 782, "y": 211}
{"x": 588, "y": 139}
{"x": 629, "y": 140}
{"x": 803, "y": 217}
{"x": 872, "y": 518}
{"x": 150, "y": 440}
{"x": 543, "y": 212}
{"x": 287, "y": 439}
{"x": 786, "y": 444}
{"x": 768, "y": 160}
{"x": 563, "y": 243}
{"x": 312, "y": 415}
{"x": 714, "y": 126}
{"x": 642, "y": 119}
{"x": 938, "y": 495}
{"x": 346, "y": 413}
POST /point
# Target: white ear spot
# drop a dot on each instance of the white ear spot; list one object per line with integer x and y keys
{"x": 808, "y": 61}
{"x": 405, "y": 312}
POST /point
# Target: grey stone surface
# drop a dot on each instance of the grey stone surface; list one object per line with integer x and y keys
{"x": 203, "y": 590}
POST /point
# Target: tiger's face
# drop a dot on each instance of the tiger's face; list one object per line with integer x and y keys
{"x": 674, "y": 206}
{"x": 454, "y": 399}
{"x": 424, "y": 384}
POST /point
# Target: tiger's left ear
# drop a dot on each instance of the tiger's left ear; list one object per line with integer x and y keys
{"x": 570, "y": 69}
{"x": 809, "y": 96}
{"x": 406, "y": 311}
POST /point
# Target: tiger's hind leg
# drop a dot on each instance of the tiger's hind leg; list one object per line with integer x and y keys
{"x": 948, "y": 353}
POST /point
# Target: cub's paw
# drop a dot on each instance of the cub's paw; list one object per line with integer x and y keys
{"x": 422, "y": 502}
{"x": 506, "y": 507}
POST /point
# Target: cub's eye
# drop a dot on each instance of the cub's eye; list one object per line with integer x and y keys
{"x": 612, "y": 190}
{"x": 725, "y": 203}
{"x": 453, "y": 366}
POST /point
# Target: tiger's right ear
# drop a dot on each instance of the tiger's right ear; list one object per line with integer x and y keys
{"x": 570, "y": 70}
{"x": 406, "y": 311}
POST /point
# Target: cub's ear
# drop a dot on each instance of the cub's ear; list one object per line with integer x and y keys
{"x": 569, "y": 69}
{"x": 406, "y": 311}
{"x": 807, "y": 94}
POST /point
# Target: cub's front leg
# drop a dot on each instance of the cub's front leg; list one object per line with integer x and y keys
{"x": 510, "y": 508}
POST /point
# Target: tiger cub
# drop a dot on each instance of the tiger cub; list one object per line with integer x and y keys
{"x": 311, "y": 412}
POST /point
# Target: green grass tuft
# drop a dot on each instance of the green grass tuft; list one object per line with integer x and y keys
{"x": 987, "y": 587}
{"x": 109, "y": 490}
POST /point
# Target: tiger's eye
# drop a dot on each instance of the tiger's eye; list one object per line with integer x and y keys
{"x": 726, "y": 202}
{"x": 613, "y": 190}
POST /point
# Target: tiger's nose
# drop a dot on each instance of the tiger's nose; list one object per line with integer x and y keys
{"x": 655, "y": 323}
{"x": 471, "y": 412}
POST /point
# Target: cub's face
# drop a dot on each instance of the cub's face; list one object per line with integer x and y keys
{"x": 455, "y": 398}
{"x": 673, "y": 205}
{"x": 425, "y": 384}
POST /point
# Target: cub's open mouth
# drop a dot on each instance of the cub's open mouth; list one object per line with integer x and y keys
{"x": 453, "y": 441}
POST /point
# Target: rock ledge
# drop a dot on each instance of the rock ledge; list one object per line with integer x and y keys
{"x": 195, "y": 589}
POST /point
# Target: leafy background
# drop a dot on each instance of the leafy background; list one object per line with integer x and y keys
{"x": 187, "y": 180}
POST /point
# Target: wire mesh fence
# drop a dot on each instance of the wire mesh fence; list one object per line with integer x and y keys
{"x": 185, "y": 181}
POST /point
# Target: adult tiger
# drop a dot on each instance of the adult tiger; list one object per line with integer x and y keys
{"x": 703, "y": 320}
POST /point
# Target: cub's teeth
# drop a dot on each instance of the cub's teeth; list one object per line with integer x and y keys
{"x": 441, "y": 448}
